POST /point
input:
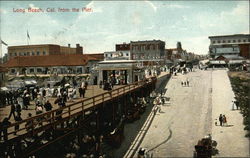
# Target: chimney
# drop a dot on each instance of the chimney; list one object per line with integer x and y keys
{"x": 69, "y": 45}
{"x": 77, "y": 45}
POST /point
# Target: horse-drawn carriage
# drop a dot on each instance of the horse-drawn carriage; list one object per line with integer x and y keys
{"x": 205, "y": 147}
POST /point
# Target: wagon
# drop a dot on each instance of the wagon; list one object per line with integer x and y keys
{"x": 205, "y": 148}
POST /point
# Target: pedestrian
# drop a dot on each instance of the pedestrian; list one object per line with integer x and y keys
{"x": 18, "y": 108}
{"x": 48, "y": 106}
{"x": 187, "y": 83}
{"x": 44, "y": 92}
{"x": 28, "y": 125}
{"x": 17, "y": 118}
{"x": 100, "y": 84}
{"x": 158, "y": 103}
{"x": 39, "y": 109}
{"x": 233, "y": 105}
{"x": 5, "y": 125}
{"x": 182, "y": 83}
{"x": 86, "y": 85}
{"x": 221, "y": 119}
{"x": 224, "y": 120}
{"x": 83, "y": 92}
{"x": 1, "y": 130}
{"x": 80, "y": 91}
{"x": 237, "y": 104}
{"x": 12, "y": 111}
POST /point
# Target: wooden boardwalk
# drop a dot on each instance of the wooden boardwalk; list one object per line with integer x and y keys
{"x": 55, "y": 117}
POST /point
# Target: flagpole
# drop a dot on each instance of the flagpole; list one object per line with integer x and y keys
{"x": 28, "y": 37}
{"x": 1, "y": 61}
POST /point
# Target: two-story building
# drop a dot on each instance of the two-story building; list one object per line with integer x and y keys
{"x": 51, "y": 64}
{"x": 229, "y": 45}
{"x": 118, "y": 65}
{"x": 42, "y": 50}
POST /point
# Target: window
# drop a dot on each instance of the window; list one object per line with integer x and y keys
{"x": 223, "y": 41}
{"x": 79, "y": 70}
{"x": 44, "y": 53}
{"x": 87, "y": 69}
{"x": 111, "y": 55}
{"x": 20, "y": 54}
{"x": 244, "y": 40}
{"x": 28, "y": 53}
{"x": 37, "y": 53}
{"x": 218, "y": 41}
{"x": 229, "y": 41}
{"x": 15, "y": 54}
{"x": 12, "y": 70}
{"x": 234, "y": 41}
{"x": 33, "y": 53}
{"x": 213, "y": 42}
{"x": 126, "y": 54}
{"x": 39, "y": 70}
{"x": 31, "y": 70}
{"x": 248, "y": 40}
{"x": 24, "y": 54}
{"x": 106, "y": 55}
{"x": 10, "y": 54}
{"x": 239, "y": 40}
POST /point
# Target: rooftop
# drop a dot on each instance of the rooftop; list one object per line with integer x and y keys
{"x": 146, "y": 41}
{"x": 50, "y": 60}
{"x": 235, "y": 35}
{"x": 36, "y": 45}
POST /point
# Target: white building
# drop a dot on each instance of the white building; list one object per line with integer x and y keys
{"x": 227, "y": 45}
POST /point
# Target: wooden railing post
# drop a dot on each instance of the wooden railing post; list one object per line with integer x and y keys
{"x": 69, "y": 111}
{"x": 32, "y": 127}
{"x": 93, "y": 100}
{"x": 83, "y": 108}
{"x": 52, "y": 119}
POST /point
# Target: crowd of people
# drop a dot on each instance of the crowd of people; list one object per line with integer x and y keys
{"x": 23, "y": 98}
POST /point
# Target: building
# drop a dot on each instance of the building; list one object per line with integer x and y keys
{"x": 51, "y": 64}
{"x": 117, "y": 55}
{"x": 42, "y": 50}
{"x": 245, "y": 50}
{"x": 3, "y": 71}
{"x": 122, "y": 47}
{"x": 235, "y": 45}
{"x": 147, "y": 50}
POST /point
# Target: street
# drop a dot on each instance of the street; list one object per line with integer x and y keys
{"x": 191, "y": 115}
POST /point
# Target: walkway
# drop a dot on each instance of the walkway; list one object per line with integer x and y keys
{"x": 190, "y": 116}
{"x": 231, "y": 139}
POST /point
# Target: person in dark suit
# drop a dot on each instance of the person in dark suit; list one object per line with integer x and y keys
{"x": 12, "y": 111}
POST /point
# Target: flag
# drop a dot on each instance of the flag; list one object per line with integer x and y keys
{"x": 4, "y": 43}
{"x": 28, "y": 35}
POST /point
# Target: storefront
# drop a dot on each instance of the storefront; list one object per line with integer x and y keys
{"x": 121, "y": 71}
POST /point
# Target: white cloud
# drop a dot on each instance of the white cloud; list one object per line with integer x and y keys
{"x": 33, "y": 6}
{"x": 152, "y": 5}
{"x": 226, "y": 22}
{"x": 198, "y": 44}
{"x": 94, "y": 7}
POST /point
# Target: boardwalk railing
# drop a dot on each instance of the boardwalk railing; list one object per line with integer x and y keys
{"x": 48, "y": 120}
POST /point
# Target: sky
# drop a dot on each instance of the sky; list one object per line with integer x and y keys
{"x": 106, "y": 23}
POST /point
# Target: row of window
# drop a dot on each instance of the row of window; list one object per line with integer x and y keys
{"x": 40, "y": 70}
{"x": 27, "y": 53}
{"x": 147, "y": 47}
{"x": 231, "y": 41}
{"x": 111, "y": 55}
